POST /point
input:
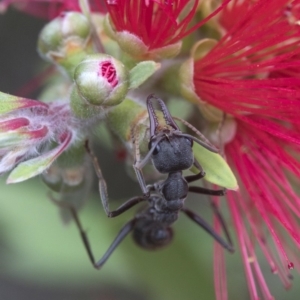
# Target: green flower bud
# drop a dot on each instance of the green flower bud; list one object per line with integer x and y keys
{"x": 66, "y": 40}
{"x": 101, "y": 80}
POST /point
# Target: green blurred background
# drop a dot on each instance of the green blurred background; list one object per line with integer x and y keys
{"x": 41, "y": 258}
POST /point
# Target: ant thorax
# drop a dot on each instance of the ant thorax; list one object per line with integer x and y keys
{"x": 173, "y": 192}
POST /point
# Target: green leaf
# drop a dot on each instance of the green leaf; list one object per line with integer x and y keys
{"x": 216, "y": 168}
{"x": 37, "y": 165}
{"x": 141, "y": 72}
{"x": 10, "y": 138}
{"x": 31, "y": 168}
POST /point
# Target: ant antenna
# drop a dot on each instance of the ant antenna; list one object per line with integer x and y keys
{"x": 153, "y": 117}
{"x": 219, "y": 133}
{"x": 189, "y": 125}
{"x": 154, "y": 123}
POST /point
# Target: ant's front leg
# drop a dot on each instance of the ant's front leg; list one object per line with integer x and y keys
{"x": 103, "y": 189}
{"x": 102, "y": 182}
{"x": 195, "y": 177}
{"x": 200, "y": 190}
{"x": 138, "y": 163}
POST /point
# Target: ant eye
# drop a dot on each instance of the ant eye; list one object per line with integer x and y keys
{"x": 155, "y": 151}
{"x": 157, "y": 148}
{"x": 190, "y": 141}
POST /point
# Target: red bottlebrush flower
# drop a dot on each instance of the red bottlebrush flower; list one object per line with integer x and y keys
{"x": 157, "y": 23}
{"x": 267, "y": 203}
{"x": 252, "y": 49}
{"x": 48, "y": 9}
{"x": 252, "y": 74}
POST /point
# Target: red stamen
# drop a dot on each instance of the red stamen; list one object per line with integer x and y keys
{"x": 157, "y": 23}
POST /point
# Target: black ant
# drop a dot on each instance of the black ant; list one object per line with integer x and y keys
{"x": 171, "y": 153}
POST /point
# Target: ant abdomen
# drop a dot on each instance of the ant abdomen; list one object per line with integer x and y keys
{"x": 169, "y": 206}
{"x": 151, "y": 235}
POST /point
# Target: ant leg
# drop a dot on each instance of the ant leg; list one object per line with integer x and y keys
{"x": 221, "y": 220}
{"x": 138, "y": 163}
{"x": 126, "y": 229}
{"x": 195, "y": 177}
{"x": 141, "y": 180}
{"x": 125, "y": 206}
{"x": 201, "y": 222}
{"x": 103, "y": 190}
{"x": 201, "y": 190}
{"x": 200, "y": 175}
{"x": 219, "y": 133}
{"x": 102, "y": 182}
{"x": 204, "y": 142}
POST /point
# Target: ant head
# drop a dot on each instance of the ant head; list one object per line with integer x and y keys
{"x": 171, "y": 150}
{"x": 172, "y": 153}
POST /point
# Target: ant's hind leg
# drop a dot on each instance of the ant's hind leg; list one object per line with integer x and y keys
{"x": 127, "y": 228}
{"x": 201, "y": 222}
{"x": 221, "y": 220}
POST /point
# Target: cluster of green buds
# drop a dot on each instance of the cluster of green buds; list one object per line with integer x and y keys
{"x": 107, "y": 76}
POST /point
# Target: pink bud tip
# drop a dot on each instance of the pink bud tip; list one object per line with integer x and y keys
{"x": 108, "y": 71}
{"x": 39, "y": 133}
{"x": 13, "y": 124}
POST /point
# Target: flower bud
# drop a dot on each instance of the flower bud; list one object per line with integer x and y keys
{"x": 32, "y": 135}
{"x": 66, "y": 40}
{"x": 134, "y": 46}
{"x": 100, "y": 80}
